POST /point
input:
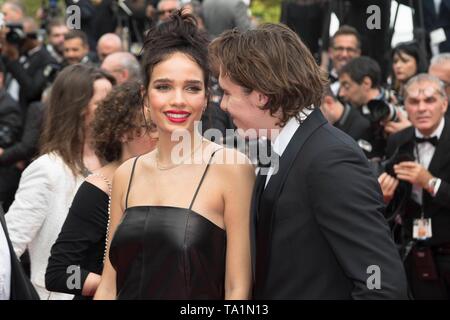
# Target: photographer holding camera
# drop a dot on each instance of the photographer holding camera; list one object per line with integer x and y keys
{"x": 344, "y": 117}
{"x": 419, "y": 189}
{"x": 26, "y": 60}
{"x": 360, "y": 85}
{"x": 10, "y": 130}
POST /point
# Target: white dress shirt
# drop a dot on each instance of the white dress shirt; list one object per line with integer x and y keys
{"x": 423, "y": 155}
{"x": 437, "y": 6}
{"x": 282, "y": 140}
{"x": 5, "y": 267}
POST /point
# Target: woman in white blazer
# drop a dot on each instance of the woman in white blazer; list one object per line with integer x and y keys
{"x": 49, "y": 183}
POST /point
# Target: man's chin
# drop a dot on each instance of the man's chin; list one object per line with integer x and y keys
{"x": 250, "y": 134}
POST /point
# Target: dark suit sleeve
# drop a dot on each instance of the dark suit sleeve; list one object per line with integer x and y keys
{"x": 443, "y": 195}
{"x": 10, "y": 125}
{"x": 84, "y": 228}
{"x": 349, "y": 209}
{"x": 27, "y": 146}
{"x": 31, "y": 85}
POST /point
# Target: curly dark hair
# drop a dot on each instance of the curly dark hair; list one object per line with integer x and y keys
{"x": 120, "y": 113}
{"x": 179, "y": 34}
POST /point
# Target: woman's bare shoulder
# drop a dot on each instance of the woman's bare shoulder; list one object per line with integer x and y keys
{"x": 233, "y": 162}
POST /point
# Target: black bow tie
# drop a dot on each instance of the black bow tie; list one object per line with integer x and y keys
{"x": 432, "y": 140}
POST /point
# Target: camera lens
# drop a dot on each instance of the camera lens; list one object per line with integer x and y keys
{"x": 381, "y": 111}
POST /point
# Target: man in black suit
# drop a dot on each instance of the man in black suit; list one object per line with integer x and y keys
{"x": 422, "y": 187}
{"x": 348, "y": 119}
{"x": 28, "y": 63}
{"x": 436, "y": 18}
{"x": 318, "y": 216}
{"x": 360, "y": 85}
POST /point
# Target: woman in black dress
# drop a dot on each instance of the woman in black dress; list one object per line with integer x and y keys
{"x": 180, "y": 220}
{"x": 119, "y": 132}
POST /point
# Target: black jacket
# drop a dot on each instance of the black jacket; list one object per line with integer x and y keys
{"x": 437, "y": 208}
{"x": 353, "y": 123}
{"x": 320, "y": 226}
{"x": 27, "y": 147}
{"x": 32, "y": 76}
{"x": 10, "y": 120}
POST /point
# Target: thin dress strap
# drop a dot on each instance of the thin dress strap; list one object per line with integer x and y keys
{"x": 109, "y": 210}
{"x": 131, "y": 179}
{"x": 203, "y": 178}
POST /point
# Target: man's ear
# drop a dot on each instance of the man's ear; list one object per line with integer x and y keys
{"x": 367, "y": 82}
{"x": 444, "y": 109}
{"x": 262, "y": 99}
{"x": 328, "y": 101}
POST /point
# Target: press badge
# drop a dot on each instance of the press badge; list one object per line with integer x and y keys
{"x": 422, "y": 229}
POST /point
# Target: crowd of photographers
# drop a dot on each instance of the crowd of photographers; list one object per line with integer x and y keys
{"x": 402, "y": 126}
{"x": 400, "y": 122}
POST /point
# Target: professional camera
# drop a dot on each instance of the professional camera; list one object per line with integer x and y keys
{"x": 380, "y": 110}
{"x": 15, "y": 35}
{"x": 400, "y": 155}
{"x": 380, "y": 166}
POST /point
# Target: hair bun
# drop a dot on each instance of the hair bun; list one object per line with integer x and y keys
{"x": 180, "y": 30}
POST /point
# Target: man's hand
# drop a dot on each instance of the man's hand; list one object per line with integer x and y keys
{"x": 1, "y": 151}
{"x": 10, "y": 51}
{"x": 388, "y": 186}
{"x": 393, "y": 127}
{"x": 21, "y": 165}
{"x": 413, "y": 173}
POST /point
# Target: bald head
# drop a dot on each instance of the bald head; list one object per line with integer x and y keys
{"x": 30, "y": 25}
{"x": 12, "y": 11}
{"x": 123, "y": 66}
{"x": 440, "y": 67}
{"x": 107, "y": 44}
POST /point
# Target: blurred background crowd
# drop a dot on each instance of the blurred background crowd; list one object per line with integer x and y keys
{"x": 368, "y": 68}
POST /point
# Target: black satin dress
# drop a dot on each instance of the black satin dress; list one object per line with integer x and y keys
{"x": 162, "y": 252}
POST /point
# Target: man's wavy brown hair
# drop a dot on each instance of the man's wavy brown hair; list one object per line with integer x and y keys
{"x": 274, "y": 61}
{"x": 118, "y": 115}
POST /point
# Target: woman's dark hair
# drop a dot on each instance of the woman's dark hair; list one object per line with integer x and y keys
{"x": 64, "y": 127}
{"x": 179, "y": 34}
{"x": 119, "y": 114}
{"x": 411, "y": 48}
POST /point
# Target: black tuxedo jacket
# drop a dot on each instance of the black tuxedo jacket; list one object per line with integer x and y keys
{"x": 319, "y": 223}
{"x": 21, "y": 286}
{"x": 33, "y": 79}
{"x": 437, "y": 208}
